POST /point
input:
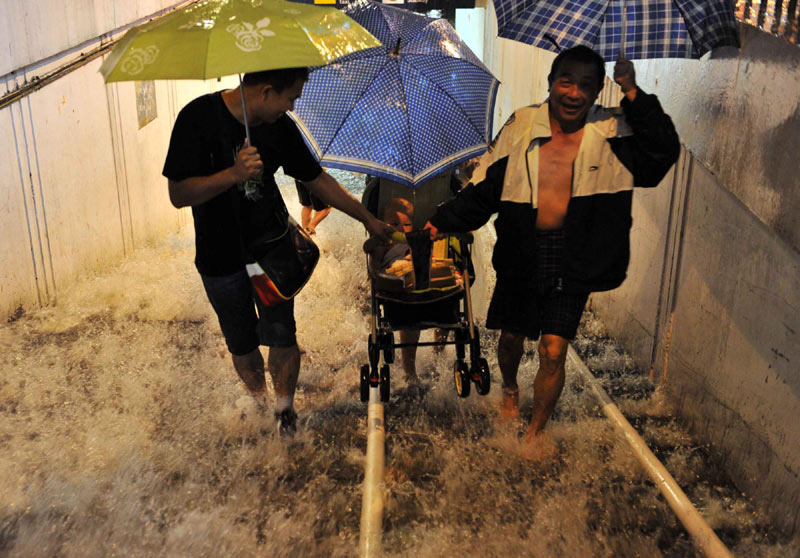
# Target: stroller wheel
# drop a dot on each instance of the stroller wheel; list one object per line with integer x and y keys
{"x": 481, "y": 376}
{"x": 388, "y": 351}
{"x": 364, "y": 383}
{"x": 385, "y": 383}
{"x": 461, "y": 378}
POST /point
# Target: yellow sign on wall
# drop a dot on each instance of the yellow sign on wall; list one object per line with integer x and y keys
{"x": 325, "y": 1}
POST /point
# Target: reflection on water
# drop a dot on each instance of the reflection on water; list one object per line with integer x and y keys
{"x": 124, "y": 432}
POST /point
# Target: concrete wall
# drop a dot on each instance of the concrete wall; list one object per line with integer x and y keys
{"x": 81, "y": 183}
{"x": 717, "y": 319}
{"x": 36, "y": 31}
{"x": 712, "y": 301}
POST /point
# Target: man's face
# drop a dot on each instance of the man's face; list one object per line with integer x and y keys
{"x": 399, "y": 222}
{"x": 275, "y": 104}
{"x": 573, "y": 91}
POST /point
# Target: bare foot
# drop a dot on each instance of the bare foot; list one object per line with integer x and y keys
{"x": 538, "y": 446}
{"x": 509, "y": 405}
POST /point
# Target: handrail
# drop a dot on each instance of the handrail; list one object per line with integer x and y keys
{"x": 702, "y": 535}
{"x": 106, "y": 43}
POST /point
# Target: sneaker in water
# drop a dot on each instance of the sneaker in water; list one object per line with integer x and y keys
{"x": 286, "y": 422}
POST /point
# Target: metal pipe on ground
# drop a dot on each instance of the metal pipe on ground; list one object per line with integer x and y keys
{"x": 106, "y": 43}
{"x": 702, "y": 535}
{"x": 372, "y": 498}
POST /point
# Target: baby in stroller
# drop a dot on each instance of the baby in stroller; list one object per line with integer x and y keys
{"x": 399, "y": 214}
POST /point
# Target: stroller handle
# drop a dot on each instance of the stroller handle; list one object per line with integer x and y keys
{"x": 372, "y": 242}
{"x": 467, "y": 237}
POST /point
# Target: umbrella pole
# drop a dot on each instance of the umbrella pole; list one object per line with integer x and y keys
{"x": 623, "y": 29}
{"x": 244, "y": 111}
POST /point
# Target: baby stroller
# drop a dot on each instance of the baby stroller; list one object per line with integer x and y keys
{"x": 433, "y": 292}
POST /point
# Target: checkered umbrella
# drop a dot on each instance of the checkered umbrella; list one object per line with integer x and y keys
{"x": 642, "y": 28}
{"x": 421, "y": 103}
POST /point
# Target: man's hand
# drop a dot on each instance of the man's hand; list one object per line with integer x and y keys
{"x": 248, "y": 163}
{"x": 625, "y": 76}
{"x": 379, "y": 229}
{"x": 434, "y": 232}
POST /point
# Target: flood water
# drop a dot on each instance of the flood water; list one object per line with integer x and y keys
{"x": 125, "y": 432}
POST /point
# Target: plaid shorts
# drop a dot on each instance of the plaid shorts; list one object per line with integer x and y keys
{"x": 532, "y": 309}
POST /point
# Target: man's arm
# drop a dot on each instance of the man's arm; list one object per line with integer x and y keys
{"x": 199, "y": 189}
{"x": 655, "y": 146}
{"x": 326, "y": 188}
{"x": 473, "y": 205}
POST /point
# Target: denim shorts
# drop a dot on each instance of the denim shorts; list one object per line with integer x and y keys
{"x": 245, "y": 322}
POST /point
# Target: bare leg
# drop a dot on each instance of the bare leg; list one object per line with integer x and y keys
{"x": 509, "y": 355}
{"x": 548, "y": 383}
{"x": 283, "y": 364}
{"x": 305, "y": 216}
{"x": 409, "y": 354}
{"x": 250, "y": 368}
{"x": 317, "y": 219}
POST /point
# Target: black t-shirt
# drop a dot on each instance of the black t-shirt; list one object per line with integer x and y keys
{"x": 205, "y": 140}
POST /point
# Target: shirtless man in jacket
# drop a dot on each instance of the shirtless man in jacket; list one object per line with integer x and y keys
{"x": 560, "y": 176}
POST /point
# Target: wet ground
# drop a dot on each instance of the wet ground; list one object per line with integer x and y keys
{"x": 125, "y": 432}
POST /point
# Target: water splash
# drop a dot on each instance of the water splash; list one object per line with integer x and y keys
{"x": 125, "y": 432}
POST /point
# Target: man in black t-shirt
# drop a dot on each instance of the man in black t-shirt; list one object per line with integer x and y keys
{"x": 211, "y": 168}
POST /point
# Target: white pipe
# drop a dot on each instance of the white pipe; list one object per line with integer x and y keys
{"x": 372, "y": 499}
{"x": 702, "y": 535}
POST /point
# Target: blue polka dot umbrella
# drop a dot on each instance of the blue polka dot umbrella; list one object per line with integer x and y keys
{"x": 638, "y": 29}
{"x": 421, "y": 103}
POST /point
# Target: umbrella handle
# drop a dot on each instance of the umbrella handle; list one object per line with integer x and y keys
{"x": 244, "y": 111}
{"x": 624, "y": 27}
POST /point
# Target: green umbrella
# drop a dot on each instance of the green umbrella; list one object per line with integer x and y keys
{"x": 214, "y": 38}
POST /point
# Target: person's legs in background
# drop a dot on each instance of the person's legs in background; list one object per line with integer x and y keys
{"x": 319, "y": 215}
{"x": 313, "y": 211}
{"x": 305, "y": 216}
{"x": 440, "y": 336}
{"x": 409, "y": 354}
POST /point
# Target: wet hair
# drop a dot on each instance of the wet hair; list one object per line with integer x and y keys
{"x": 280, "y": 79}
{"x": 582, "y": 54}
{"x": 399, "y": 205}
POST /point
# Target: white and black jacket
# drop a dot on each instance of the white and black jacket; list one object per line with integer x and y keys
{"x": 621, "y": 148}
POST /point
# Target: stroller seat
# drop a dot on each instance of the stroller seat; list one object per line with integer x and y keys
{"x": 434, "y": 305}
